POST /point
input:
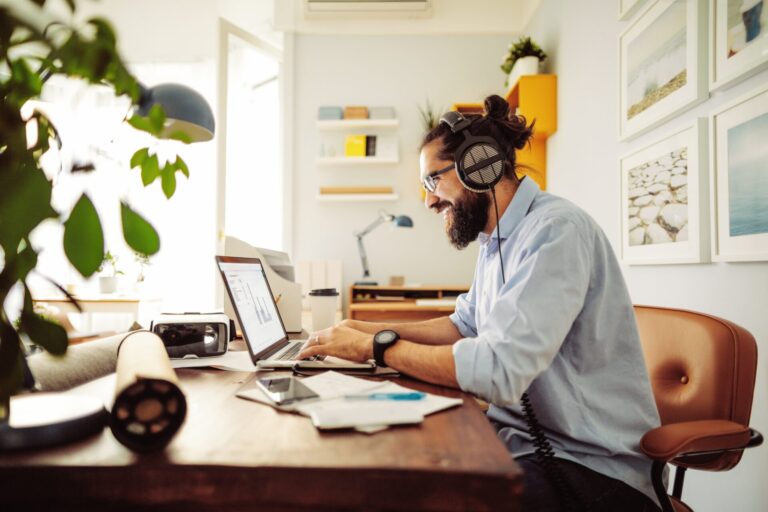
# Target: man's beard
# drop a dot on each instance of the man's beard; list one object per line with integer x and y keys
{"x": 467, "y": 218}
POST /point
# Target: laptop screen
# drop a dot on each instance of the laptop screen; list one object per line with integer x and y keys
{"x": 252, "y": 299}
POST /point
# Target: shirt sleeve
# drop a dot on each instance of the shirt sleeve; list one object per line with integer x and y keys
{"x": 531, "y": 317}
{"x": 463, "y": 316}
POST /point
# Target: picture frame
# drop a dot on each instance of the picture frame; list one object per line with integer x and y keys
{"x": 738, "y": 41}
{"x": 664, "y": 199}
{"x": 739, "y": 181}
{"x": 628, "y": 8}
{"x": 662, "y": 64}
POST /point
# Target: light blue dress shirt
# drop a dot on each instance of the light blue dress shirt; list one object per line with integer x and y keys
{"x": 561, "y": 327}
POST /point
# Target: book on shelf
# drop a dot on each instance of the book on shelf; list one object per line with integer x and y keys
{"x": 355, "y": 112}
{"x": 370, "y": 145}
{"x": 355, "y": 190}
{"x": 355, "y": 145}
{"x": 329, "y": 113}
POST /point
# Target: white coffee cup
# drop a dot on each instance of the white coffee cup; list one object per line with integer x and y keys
{"x": 323, "y": 301}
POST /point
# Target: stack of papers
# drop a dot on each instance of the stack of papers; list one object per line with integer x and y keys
{"x": 333, "y": 410}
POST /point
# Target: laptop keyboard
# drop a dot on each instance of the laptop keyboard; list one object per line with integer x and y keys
{"x": 292, "y": 352}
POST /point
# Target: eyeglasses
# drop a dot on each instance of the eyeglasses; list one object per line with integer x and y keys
{"x": 430, "y": 182}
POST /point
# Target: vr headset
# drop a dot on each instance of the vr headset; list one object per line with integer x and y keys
{"x": 193, "y": 335}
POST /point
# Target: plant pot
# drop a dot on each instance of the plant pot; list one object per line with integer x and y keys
{"x": 108, "y": 284}
{"x": 523, "y": 66}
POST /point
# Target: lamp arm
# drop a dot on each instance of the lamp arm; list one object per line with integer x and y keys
{"x": 383, "y": 217}
{"x": 363, "y": 256}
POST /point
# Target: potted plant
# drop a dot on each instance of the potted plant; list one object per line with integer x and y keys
{"x": 523, "y": 58}
{"x": 430, "y": 115}
{"x": 35, "y": 45}
{"x": 108, "y": 283}
{"x": 143, "y": 261}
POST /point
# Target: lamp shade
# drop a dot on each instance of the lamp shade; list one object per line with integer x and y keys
{"x": 403, "y": 221}
{"x": 185, "y": 109}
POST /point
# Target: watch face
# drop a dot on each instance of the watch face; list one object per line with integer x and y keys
{"x": 386, "y": 337}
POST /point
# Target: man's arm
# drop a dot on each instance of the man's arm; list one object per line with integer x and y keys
{"x": 437, "y": 331}
{"x": 433, "y": 364}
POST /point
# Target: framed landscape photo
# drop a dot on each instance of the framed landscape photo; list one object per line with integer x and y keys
{"x": 739, "y": 155}
{"x": 664, "y": 199}
{"x": 739, "y": 40}
{"x": 628, "y": 8}
{"x": 662, "y": 64}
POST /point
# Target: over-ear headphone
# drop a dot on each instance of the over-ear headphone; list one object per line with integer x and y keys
{"x": 479, "y": 159}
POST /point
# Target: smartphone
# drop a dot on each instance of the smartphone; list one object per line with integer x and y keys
{"x": 285, "y": 390}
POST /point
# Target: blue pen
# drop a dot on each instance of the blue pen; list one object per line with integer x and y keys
{"x": 416, "y": 395}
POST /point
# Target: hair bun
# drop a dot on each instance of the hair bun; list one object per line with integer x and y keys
{"x": 496, "y": 107}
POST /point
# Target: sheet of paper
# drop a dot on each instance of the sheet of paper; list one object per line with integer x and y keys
{"x": 233, "y": 360}
{"x": 332, "y": 384}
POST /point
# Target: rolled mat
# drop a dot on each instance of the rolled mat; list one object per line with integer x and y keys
{"x": 149, "y": 405}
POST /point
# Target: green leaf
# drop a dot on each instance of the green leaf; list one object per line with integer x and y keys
{"x": 104, "y": 31}
{"x": 150, "y": 170}
{"x": 181, "y": 136}
{"x": 49, "y": 335}
{"x": 138, "y": 157}
{"x": 11, "y": 363}
{"x": 169, "y": 180}
{"x": 157, "y": 119}
{"x": 182, "y": 166}
{"x": 140, "y": 123}
{"x": 138, "y": 233}
{"x": 84, "y": 238}
{"x": 25, "y": 201}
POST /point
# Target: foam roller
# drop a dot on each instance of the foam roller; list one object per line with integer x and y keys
{"x": 149, "y": 405}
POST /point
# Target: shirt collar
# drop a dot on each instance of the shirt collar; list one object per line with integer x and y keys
{"x": 516, "y": 210}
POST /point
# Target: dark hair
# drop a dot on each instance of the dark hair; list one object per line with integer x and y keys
{"x": 509, "y": 130}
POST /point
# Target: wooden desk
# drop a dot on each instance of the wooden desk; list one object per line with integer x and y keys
{"x": 401, "y": 303}
{"x": 232, "y": 454}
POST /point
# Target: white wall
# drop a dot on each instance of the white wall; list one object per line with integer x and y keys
{"x": 581, "y": 38}
{"x": 401, "y": 71}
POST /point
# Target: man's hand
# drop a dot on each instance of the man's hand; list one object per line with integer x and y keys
{"x": 339, "y": 341}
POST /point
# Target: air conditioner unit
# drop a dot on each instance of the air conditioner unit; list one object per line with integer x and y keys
{"x": 368, "y": 6}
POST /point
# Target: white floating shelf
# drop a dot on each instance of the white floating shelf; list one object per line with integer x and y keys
{"x": 344, "y": 124}
{"x": 339, "y": 198}
{"x": 357, "y": 160}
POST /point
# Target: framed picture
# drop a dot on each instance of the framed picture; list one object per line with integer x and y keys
{"x": 662, "y": 64}
{"x": 739, "y": 156}
{"x": 664, "y": 194}
{"x": 628, "y": 8}
{"x": 739, "y": 40}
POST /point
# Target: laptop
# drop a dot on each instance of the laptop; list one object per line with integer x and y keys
{"x": 260, "y": 320}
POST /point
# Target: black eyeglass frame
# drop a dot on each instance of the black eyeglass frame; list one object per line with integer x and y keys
{"x": 430, "y": 183}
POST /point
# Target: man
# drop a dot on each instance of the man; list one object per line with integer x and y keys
{"x": 548, "y": 314}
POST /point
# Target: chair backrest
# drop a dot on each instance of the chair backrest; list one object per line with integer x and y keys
{"x": 701, "y": 367}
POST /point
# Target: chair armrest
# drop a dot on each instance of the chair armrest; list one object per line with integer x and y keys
{"x": 672, "y": 440}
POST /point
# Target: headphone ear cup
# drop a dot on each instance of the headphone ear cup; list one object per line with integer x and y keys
{"x": 480, "y": 164}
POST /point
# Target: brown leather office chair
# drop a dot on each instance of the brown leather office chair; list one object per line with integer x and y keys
{"x": 702, "y": 370}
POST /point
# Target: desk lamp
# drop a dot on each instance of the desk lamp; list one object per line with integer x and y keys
{"x": 400, "y": 221}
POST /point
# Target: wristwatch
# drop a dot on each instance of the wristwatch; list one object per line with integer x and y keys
{"x": 382, "y": 341}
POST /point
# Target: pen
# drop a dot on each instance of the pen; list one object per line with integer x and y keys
{"x": 416, "y": 395}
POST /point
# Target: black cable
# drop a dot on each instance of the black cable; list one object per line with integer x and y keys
{"x": 498, "y": 236}
{"x": 570, "y": 497}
